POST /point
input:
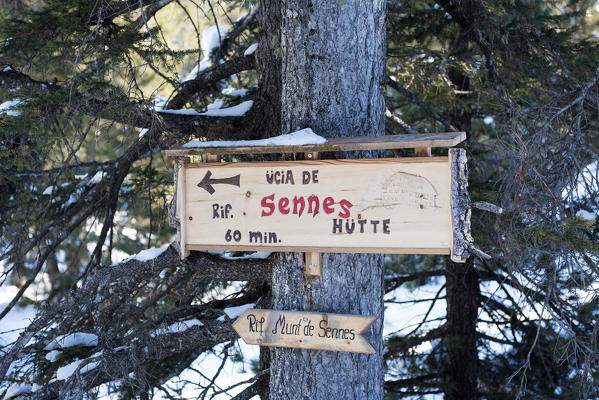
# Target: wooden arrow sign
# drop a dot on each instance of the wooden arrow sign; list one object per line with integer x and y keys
{"x": 305, "y": 330}
{"x": 206, "y": 183}
{"x": 338, "y": 206}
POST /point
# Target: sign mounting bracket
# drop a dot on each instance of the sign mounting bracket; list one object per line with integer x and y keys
{"x": 312, "y": 260}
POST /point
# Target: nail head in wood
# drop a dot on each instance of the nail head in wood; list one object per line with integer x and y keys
{"x": 312, "y": 155}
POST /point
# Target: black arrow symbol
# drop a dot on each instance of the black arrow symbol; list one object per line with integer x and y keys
{"x": 207, "y": 183}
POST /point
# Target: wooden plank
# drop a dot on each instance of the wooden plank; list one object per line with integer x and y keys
{"x": 371, "y": 205}
{"x": 422, "y": 152}
{"x": 320, "y": 249}
{"x": 180, "y": 198}
{"x": 448, "y": 139}
{"x": 314, "y": 155}
{"x": 212, "y": 158}
{"x": 275, "y": 164}
{"x": 313, "y": 264}
{"x": 312, "y": 260}
{"x": 305, "y": 330}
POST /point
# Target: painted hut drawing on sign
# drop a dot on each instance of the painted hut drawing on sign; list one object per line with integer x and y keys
{"x": 402, "y": 189}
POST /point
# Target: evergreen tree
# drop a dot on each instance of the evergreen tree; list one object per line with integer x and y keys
{"x": 83, "y": 184}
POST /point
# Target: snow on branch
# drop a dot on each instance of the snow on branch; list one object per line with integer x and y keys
{"x": 234, "y": 111}
{"x": 131, "y": 113}
{"x": 142, "y": 310}
{"x": 206, "y": 81}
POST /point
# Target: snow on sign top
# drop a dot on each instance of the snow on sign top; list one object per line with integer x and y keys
{"x": 307, "y": 141}
{"x": 298, "y": 138}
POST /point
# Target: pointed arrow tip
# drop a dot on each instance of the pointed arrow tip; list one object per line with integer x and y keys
{"x": 205, "y": 182}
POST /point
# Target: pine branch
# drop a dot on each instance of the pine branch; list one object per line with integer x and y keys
{"x": 399, "y": 344}
{"x": 414, "y": 99}
{"x": 111, "y": 9}
{"x": 395, "y": 282}
{"x": 399, "y": 122}
{"x": 131, "y": 113}
{"x": 421, "y": 381}
{"x": 238, "y": 28}
{"x": 259, "y": 387}
{"x": 206, "y": 81}
{"x": 110, "y": 298}
{"x": 148, "y": 13}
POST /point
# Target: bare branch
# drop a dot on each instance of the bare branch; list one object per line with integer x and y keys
{"x": 395, "y": 282}
{"x": 399, "y": 122}
{"x": 206, "y": 81}
{"x": 483, "y": 205}
{"x": 414, "y": 99}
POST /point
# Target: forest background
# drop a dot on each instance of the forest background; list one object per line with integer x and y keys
{"x": 88, "y": 275}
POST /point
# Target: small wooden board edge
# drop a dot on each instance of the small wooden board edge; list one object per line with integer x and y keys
{"x": 460, "y": 206}
{"x": 307, "y": 249}
{"x": 407, "y": 141}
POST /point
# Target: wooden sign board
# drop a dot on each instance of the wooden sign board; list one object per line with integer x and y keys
{"x": 401, "y": 205}
{"x": 305, "y": 330}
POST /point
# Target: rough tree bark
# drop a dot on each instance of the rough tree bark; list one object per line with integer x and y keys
{"x": 462, "y": 286}
{"x": 333, "y": 56}
{"x": 269, "y": 69}
{"x": 462, "y": 308}
{"x": 268, "y": 111}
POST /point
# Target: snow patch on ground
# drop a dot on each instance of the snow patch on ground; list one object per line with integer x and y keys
{"x": 234, "y": 312}
{"x": 17, "y": 319}
{"x": 298, "y": 138}
{"x": 73, "y": 339}
{"x": 251, "y": 49}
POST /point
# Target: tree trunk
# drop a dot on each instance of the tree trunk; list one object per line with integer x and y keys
{"x": 462, "y": 286}
{"x": 269, "y": 70}
{"x": 462, "y": 307}
{"x": 333, "y": 58}
{"x": 269, "y": 112}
